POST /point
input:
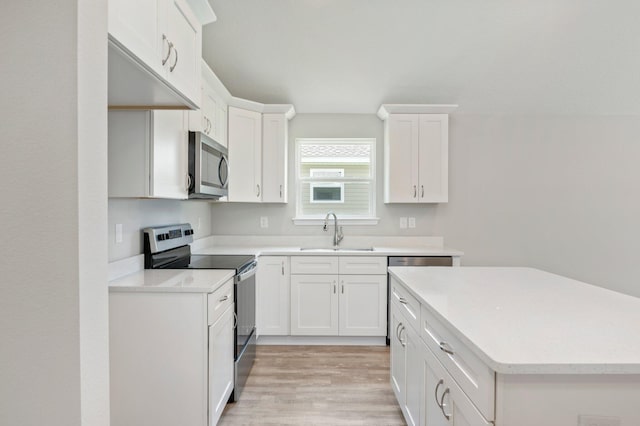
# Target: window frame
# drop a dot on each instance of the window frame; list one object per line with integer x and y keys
{"x": 314, "y": 185}
{"x": 301, "y": 219}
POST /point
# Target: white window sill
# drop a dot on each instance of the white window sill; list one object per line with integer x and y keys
{"x": 314, "y": 221}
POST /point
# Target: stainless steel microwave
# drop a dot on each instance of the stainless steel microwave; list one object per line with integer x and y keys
{"x": 208, "y": 167}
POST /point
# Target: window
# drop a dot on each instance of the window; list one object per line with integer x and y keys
{"x": 335, "y": 175}
{"x": 326, "y": 192}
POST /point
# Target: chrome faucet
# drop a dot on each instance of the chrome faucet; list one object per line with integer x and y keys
{"x": 337, "y": 233}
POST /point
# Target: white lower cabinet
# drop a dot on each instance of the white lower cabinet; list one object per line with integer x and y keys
{"x": 273, "y": 296}
{"x": 170, "y": 356}
{"x": 426, "y": 392}
{"x": 221, "y": 374}
{"x": 326, "y": 302}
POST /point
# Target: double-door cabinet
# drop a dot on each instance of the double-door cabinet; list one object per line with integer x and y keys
{"x": 322, "y": 295}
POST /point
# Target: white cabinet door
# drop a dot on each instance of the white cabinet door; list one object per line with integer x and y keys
{"x": 169, "y": 155}
{"x": 245, "y": 155}
{"x": 398, "y": 360}
{"x": 220, "y": 131}
{"x": 185, "y": 32}
{"x": 413, "y": 375}
{"x": 416, "y": 158}
{"x": 220, "y": 365}
{"x": 434, "y": 158}
{"x": 363, "y": 305}
{"x": 273, "y": 296}
{"x": 136, "y": 26}
{"x": 314, "y": 305}
{"x": 274, "y": 158}
{"x": 401, "y": 158}
{"x": 148, "y": 154}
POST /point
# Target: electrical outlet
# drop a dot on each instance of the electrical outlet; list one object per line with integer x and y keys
{"x": 118, "y": 233}
{"x": 264, "y": 222}
{"x": 412, "y": 222}
{"x": 598, "y": 421}
{"x": 403, "y": 223}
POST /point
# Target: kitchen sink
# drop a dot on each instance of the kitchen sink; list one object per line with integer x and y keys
{"x": 333, "y": 249}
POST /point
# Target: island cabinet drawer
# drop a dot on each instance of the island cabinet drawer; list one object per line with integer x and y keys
{"x": 219, "y": 301}
{"x": 473, "y": 376}
{"x": 362, "y": 265}
{"x": 314, "y": 264}
{"x": 407, "y": 304}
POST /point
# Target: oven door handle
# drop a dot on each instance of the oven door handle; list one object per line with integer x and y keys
{"x": 248, "y": 273}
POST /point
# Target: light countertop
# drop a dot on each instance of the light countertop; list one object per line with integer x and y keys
{"x": 526, "y": 321}
{"x": 344, "y": 251}
{"x": 173, "y": 280}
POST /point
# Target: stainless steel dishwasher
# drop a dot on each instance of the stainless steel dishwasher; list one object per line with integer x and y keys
{"x": 411, "y": 261}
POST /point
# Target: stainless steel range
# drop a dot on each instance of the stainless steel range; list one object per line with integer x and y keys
{"x": 167, "y": 247}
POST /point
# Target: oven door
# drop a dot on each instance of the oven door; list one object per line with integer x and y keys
{"x": 245, "y": 352}
{"x": 208, "y": 167}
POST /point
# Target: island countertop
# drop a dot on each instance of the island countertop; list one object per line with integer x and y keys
{"x": 527, "y": 321}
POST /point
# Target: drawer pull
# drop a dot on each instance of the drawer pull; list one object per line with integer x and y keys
{"x": 222, "y": 299}
{"x": 444, "y": 347}
{"x": 402, "y": 300}
{"x": 398, "y": 332}
{"x": 442, "y": 404}
{"x": 436, "y": 392}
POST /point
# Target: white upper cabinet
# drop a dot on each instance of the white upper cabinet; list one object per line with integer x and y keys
{"x": 148, "y": 154}
{"x": 274, "y": 158}
{"x": 154, "y": 54}
{"x": 258, "y": 141}
{"x": 245, "y": 155}
{"x": 211, "y": 118}
{"x": 416, "y": 153}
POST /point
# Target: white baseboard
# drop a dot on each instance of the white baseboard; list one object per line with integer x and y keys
{"x": 323, "y": 340}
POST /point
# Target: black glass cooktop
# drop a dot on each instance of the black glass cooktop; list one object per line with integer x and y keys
{"x": 204, "y": 261}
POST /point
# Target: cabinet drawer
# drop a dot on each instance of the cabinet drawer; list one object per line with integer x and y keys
{"x": 406, "y": 303}
{"x": 362, "y": 265}
{"x": 314, "y": 264}
{"x": 444, "y": 397}
{"x": 219, "y": 301}
{"x": 473, "y": 376}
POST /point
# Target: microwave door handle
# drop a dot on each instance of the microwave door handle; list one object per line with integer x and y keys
{"x": 223, "y": 163}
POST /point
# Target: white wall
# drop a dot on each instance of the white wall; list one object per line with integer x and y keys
{"x": 135, "y": 214}
{"x": 557, "y": 193}
{"x": 53, "y": 300}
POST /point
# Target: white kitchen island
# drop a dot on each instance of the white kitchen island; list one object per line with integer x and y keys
{"x": 512, "y": 347}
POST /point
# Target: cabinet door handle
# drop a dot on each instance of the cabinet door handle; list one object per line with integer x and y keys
{"x": 172, "y": 67}
{"x": 422, "y": 191}
{"x": 436, "y": 392}
{"x": 283, "y": 267}
{"x": 445, "y": 347}
{"x": 280, "y": 191}
{"x": 235, "y": 320}
{"x": 189, "y": 181}
{"x": 398, "y": 331}
{"x": 402, "y": 342}
{"x": 170, "y": 45}
{"x": 342, "y": 287}
{"x": 446, "y": 416}
{"x": 257, "y": 190}
{"x": 402, "y": 300}
{"x": 415, "y": 191}
{"x": 334, "y": 287}
{"x": 222, "y": 299}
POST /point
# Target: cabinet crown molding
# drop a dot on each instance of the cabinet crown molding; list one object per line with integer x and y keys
{"x": 287, "y": 109}
{"x": 386, "y": 109}
{"x": 203, "y": 11}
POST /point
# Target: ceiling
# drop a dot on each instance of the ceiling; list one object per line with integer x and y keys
{"x": 488, "y": 56}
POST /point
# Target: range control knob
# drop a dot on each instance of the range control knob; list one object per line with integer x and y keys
{"x": 160, "y": 237}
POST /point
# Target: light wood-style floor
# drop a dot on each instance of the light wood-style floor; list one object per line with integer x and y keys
{"x": 317, "y": 385}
